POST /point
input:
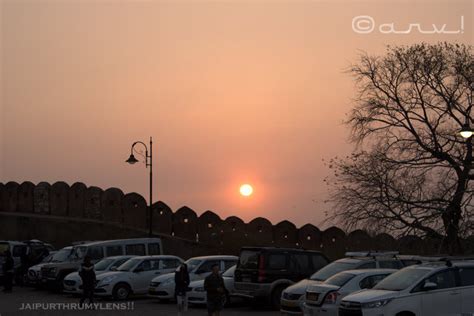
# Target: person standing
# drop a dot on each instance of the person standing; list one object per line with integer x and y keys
{"x": 87, "y": 275}
{"x": 8, "y": 266}
{"x": 181, "y": 281}
{"x": 216, "y": 291}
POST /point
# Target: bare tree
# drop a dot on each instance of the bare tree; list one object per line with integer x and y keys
{"x": 411, "y": 170}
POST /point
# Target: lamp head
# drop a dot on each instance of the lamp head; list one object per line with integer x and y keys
{"x": 466, "y": 131}
{"x": 131, "y": 160}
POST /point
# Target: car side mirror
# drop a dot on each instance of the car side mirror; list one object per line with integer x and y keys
{"x": 429, "y": 286}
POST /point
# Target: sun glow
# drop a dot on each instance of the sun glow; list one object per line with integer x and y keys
{"x": 246, "y": 190}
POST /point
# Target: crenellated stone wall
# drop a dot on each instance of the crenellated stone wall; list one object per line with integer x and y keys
{"x": 78, "y": 212}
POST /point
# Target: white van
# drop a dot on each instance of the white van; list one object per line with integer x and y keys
{"x": 52, "y": 274}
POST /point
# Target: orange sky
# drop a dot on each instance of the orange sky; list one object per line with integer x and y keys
{"x": 231, "y": 91}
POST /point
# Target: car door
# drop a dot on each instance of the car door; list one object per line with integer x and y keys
{"x": 143, "y": 274}
{"x": 466, "y": 276}
{"x": 445, "y": 299}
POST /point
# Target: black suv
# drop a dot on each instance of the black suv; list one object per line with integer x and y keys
{"x": 264, "y": 272}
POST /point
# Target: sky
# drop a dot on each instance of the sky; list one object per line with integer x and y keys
{"x": 232, "y": 92}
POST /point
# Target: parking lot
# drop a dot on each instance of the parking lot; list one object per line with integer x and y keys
{"x": 23, "y": 299}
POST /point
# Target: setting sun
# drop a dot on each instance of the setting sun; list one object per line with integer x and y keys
{"x": 246, "y": 190}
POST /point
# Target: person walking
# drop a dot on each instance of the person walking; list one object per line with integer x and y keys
{"x": 216, "y": 291}
{"x": 181, "y": 281}
{"x": 87, "y": 275}
{"x": 8, "y": 266}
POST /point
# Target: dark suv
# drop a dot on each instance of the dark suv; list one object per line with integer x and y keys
{"x": 264, "y": 272}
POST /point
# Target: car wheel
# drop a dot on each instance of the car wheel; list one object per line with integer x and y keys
{"x": 121, "y": 291}
{"x": 276, "y": 297}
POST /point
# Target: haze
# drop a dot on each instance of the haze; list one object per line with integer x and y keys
{"x": 233, "y": 92}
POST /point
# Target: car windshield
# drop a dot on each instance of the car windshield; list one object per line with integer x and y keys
{"x": 61, "y": 256}
{"x": 48, "y": 258}
{"x": 248, "y": 259}
{"x": 79, "y": 252}
{"x": 229, "y": 273}
{"x": 402, "y": 279}
{"x": 193, "y": 264}
{"x": 340, "y": 279}
{"x": 331, "y": 269}
{"x": 129, "y": 265}
{"x": 103, "y": 264}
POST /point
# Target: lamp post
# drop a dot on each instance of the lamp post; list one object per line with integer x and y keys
{"x": 148, "y": 163}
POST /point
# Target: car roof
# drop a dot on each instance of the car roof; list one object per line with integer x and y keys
{"x": 280, "y": 249}
{"x": 93, "y": 243}
{"x": 215, "y": 257}
{"x": 157, "y": 257}
{"x": 443, "y": 264}
{"x": 369, "y": 271}
{"x": 120, "y": 257}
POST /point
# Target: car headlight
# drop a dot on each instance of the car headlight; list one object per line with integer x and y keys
{"x": 199, "y": 289}
{"x": 107, "y": 279}
{"x": 53, "y": 270}
{"x": 376, "y": 304}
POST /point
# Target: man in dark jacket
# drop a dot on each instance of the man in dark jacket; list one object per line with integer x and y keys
{"x": 87, "y": 275}
{"x": 8, "y": 266}
{"x": 216, "y": 291}
{"x": 181, "y": 281}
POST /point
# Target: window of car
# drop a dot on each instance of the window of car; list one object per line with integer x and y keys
{"x": 467, "y": 276}
{"x": 402, "y": 279}
{"x": 300, "y": 263}
{"x": 129, "y": 264}
{"x": 248, "y": 259}
{"x": 118, "y": 263}
{"x": 149, "y": 265}
{"x": 207, "y": 266}
{"x": 318, "y": 261}
{"x": 389, "y": 264}
{"x": 61, "y": 256}
{"x": 18, "y": 251}
{"x": 228, "y": 264}
{"x": 135, "y": 249}
{"x": 103, "y": 264}
{"x": 340, "y": 279}
{"x": 367, "y": 265}
{"x": 276, "y": 261}
{"x": 169, "y": 263}
{"x": 371, "y": 281}
{"x": 193, "y": 264}
{"x": 95, "y": 252}
{"x": 444, "y": 279}
{"x": 115, "y": 250}
{"x": 154, "y": 249}
{"x": 331, "y": 269}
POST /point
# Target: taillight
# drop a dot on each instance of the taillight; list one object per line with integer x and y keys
{"x": 261, "y": 268}
{"x": 331, "y": 298}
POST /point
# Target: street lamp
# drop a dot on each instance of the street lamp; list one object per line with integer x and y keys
{"x": 148, "y": 163}
{"x": 466, "y": 131}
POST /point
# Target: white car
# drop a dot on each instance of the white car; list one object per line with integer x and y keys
{"x": 431, "y": 289}
{"x": 134, "y": 276}
{"x": 323, "y": 299}
{"x": 163, "y": 287}
{"x": 33, "y": 276}
{"x": 73, "y": 283}
{"x": 197, "y": 293}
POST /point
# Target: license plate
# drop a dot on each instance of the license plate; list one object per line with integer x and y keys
{"x": 312, "y": 296}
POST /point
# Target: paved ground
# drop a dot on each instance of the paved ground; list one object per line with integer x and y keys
{"x": 28, "y": 301}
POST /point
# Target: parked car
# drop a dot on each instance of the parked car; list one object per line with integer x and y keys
{"x": 442, "y": 288}
{"x": 53, "y": 274}
{"x": 292, "y": 297}
{"x": 73, "y": 283}
{"x": 25, "y": 254}
{"x": 163, "y": 286}
{"x": 323, "y": 299}
{"x": 264, "y": 272}
{"x": 33, "y": 276}
{"x": 134, "y": 276}
{"x": 197, "y": 294}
